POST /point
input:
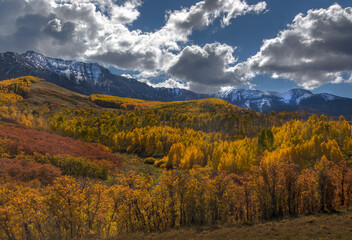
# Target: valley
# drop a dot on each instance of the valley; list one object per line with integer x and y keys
{"x": 154, "y": 119}
{"x": 103, "y": 167}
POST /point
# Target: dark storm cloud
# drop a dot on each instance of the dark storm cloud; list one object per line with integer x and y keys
{"x": 62, "y": 33}
{"x": 129, "y": 60}
{"x": 314, "y": 50}
{"x": 8, "y": 13}
{"x": 207, "y": 68}
{"x": 32, "y": 29}
{"x": 202, "y": 65}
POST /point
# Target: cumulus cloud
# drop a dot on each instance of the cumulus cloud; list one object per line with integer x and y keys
{"x": 62, "y": 28}
{"x": 315, "y": 49}
{"x": 153, "y": 50}
{"x": 100, "y": 30}
{"x": 181, "y": 23}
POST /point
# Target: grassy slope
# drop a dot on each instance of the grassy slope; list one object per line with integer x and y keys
{"x": 51, "y": 94}
{"x": 136, "y": 164}
{"x": 336, "y": 226}
{"x": 210, "y": 105}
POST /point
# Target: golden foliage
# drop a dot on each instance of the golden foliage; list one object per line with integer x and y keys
{"x": 222, "y": 165}
{"x": 120, "y": 102}
{"x": 13, "y": 90}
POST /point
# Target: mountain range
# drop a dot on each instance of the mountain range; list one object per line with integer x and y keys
{"x": 90, "y": 78}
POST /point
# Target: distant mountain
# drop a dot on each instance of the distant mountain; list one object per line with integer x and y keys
{"x": 293, "y": 100}
{"x": 89, "y": 78}
{"x": 85, "y": 78}
{"x": 263, "y": 101}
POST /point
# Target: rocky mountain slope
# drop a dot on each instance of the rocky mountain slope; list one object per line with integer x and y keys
{"x": 293, "y": 100}
{"x": 85, "y": 78}
{"x": 89, "y": 78}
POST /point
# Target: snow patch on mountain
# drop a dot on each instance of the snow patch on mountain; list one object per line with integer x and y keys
{"x": 305, "y": 96}
{"x": 263, "y": 100}
{"x": 89, "y": 78}
{"x": 328, "y": 97}
{"x": 78, "y": 70}
{"x": 285, "y": 97}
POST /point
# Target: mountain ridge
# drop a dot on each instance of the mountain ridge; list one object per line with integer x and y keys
{"x": 84, "y": 78}
{"x": 92, "y": 78}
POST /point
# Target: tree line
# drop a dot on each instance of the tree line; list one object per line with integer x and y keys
{"x": 72, "y": 208}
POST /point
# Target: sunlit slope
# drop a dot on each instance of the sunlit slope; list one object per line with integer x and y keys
{"x": 37, "y": 91}
{"x": 208, "y": 161}
{"x": 47, "y": 93}
{"x": 13, "y": 90}
{"x": 203, "y": 105}
{"x": 207, "y": 115}
{"x": 108, "y": 101}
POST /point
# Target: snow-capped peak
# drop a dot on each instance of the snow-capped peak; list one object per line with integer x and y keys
{"x": 78, "y": 70}
{"x": 265, "y": 100}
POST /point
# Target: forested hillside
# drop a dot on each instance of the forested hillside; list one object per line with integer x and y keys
{"x": 61, "y": 177}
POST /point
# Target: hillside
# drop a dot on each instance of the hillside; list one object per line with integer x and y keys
{"x": 193, "y": 164}
{"x": 205, "y": 114}
{"x": 30, "y": 141}
{"x": 334, "y": 226}
{"x": 92, "y": 78}
{"x": 48, "y": 93}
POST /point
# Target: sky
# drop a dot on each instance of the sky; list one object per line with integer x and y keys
{"x": 205, "y": 46}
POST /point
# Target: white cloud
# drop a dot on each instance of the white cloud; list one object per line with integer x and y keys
{"x": 127, "y": 75}
{"x": 135, "y": 50}
{"x": 148, "y": 74}
{"x": 83, "y": 25}
{"x": 315, "y": 49}
{"x": 169, "y": 83}
{"x": 100, "y": 30}
{"x": 181, "y": 23}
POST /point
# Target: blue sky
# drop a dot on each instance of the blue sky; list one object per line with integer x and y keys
{"x": 247, "y": 33}
{"x": 204, "y": 45}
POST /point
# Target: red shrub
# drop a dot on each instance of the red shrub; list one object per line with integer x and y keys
{"x": 25, "y": 171}
{"x": 28, "y": 141}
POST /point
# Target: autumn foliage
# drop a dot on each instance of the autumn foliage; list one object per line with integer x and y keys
{"x": 13, "y": 90}
{"x": 120, "y": 102}
{"x": 220, "y": 165}
{"x": 29, "y": 141}
{"x": 23, "y": 170}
